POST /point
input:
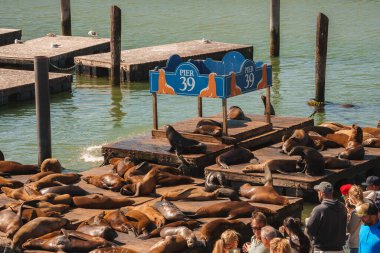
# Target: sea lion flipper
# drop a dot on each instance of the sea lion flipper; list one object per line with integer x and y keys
{"x": 224, "y": 166}
{"x": 268, "y": 176}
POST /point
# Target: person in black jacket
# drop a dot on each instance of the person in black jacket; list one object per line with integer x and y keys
{"x": 326, "y": 226}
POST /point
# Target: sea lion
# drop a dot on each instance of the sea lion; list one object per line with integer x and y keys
{"x": 2, "y": 158}
{"x": 354, "y": 149}
{"x": 335, "y": 126}
{"x": 96, "y": 201}
{"x": 322, "y": 142}
{"x": 236, "y": 155}
{"x": 53, "y": 179}
{"x": 318, "y": 129}
{"x": 167, "y": 179}
{"x": 190, "y": 194}
{"x": 72, "y": 190}
{"x": 182, "y": 145}
{"x": 298, "y": 138}
{"x": 35, "y": 228}
{"x": 209, "y": 122}
{"x": 171, "y": 244}
{"x": 113, "y": 250}
{"x": 372, "y": 142}
{"x": 229, "y": 209}
{"x": 191, "y": 224}
{"x": 38, "y": 176}
{"x": 123, "y": 166}
{"x": 271, "y": 110}
{"x": 117, "y": 220}
{"x": 15, "y": 168}
{"x": 336, "y": 163}
{"x": 144, "y": 167}
{"x": 106, "y": 181}
{"x": 51, "y": 164}
{"x": 186, "y": 167}
{"x": 10, "y": 183}
{"x": 209, "y": 130}
{"x": 144, "y": 188}
{"x": 274, "y": 165}
{"x": 263, "y": 194}
{"x": 10, "y": 221}
{"x": 183, "y": 231}
{"x": 105, "y": 232}
{"x": 169, "y": 210}
{"x": 236, "y": 113}
{"x": 23, "y": 193}
{"x": 311, "y": 161}
{"x": 214, "y": 180}
{"x": 153, "y": 215}
{"x": 139, "y": 221}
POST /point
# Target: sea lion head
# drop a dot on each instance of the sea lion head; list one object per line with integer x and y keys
{"x": 51, "y": 164}
{"x": 298, "y": 138}
{"x": 356, "y": 134}
{"x": 235, "y": 112}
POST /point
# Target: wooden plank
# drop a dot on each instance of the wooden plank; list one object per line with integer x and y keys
{"x": 298, "y": 180}
{"x": 18, "y": 85}
{"x": 22, "y": 55}
{"x": 137, "y": 62}
{"x": 8, "y": 36}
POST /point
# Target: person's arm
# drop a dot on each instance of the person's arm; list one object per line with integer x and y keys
{"x": 312, "y": 226}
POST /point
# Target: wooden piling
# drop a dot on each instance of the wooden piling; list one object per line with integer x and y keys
{"x": 41, "y": 73}
{"x": 320, "y": 57}
{"x": 200, "y": 107}
{"x": 115, "y": 44}
{"x": 274, "y": 28}
{"x": 224, "y": 109}
{"x": 65, "y": 18}
{"x": 155, "y": 116}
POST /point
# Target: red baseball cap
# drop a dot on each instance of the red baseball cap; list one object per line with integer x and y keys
{"x": 345, "y": 188}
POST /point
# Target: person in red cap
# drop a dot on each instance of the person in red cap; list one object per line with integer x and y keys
{"x": 344, "y": 191}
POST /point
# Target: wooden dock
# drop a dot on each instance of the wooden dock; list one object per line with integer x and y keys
{"x": 299, "y": 181}
{"x": 8, "y": 36}
{"x": 156, "y": 150}
{"x": 136, "y": 63}
{"x": 128, "y": 240}
{"x": 18, "y": 85}
{"x": 61, "y": 51}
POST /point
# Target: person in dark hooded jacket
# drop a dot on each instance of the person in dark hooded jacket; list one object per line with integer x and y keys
{"x": 326, "y": 226}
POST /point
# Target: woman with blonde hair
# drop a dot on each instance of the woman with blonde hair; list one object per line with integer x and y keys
{"x": 355, "y": 198}
{"x": 228, "y": 240}
{"x": 280, "y": 245}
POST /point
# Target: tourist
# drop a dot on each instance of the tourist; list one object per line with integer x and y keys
{"x": 355, "y": 198}
{"x": 299, "y": 242}
{"x": 369, "y": 235}
{"x": 372, "y": 185}
{"x": 258, "y": 222}
{"x": 326, "y": 226}
{"x": 228, "y": 242}
{"x": 267, "y": 234}
{"x": 344, "y": 191}
{"x": 280, "y": 245}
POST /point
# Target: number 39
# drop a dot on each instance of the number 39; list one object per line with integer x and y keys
{"x": 249, "y": 79}
{"x": 187, "y": 82}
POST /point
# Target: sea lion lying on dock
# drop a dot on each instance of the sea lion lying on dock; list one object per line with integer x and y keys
{"x": 106, "y": 181}
{"x": 94, "y": 201}
{"x": 15, "y": 168}
{"x": 236, "y": 113}
{"x": 182, "y": 231}
{"x": 182, "y": 145}
{"x": 312, "y": 162}
{"x": 72, "y": 190}
{"x": 215, "y": 180}
{"x": 354, "y": 149}
{"x": 169, "y": 210}
{"x": 123, "y": 165}
{"x": 171, "y": 244}
{"x": 23, "y": 193}
{"x": 298, "y": 138}
{"x": 10, "y": 221}
{"x": 336, "y": 163}
{"x": 139, "y": 221}
{"x": 10, "y": 183}
{"x": 209, "y": 127}
{"x": 144, "y": 188}
{"x": 50, "y": 180}
{"x": 118, "y": 221}
{"x": 190, "y": 194}
{"x": 236, "y": 155}
{"x": 335, "y": 126}
{"x": 102, "y": 231}
{"x": 274, "y": 165}
{"x": 38, "y": 176}
{"x": 191, "y": 224}
{"x": 153, "y": 215}
{"x": 167, "y": 179}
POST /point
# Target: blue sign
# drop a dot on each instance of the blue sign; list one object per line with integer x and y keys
{"x": 232, "y": 76}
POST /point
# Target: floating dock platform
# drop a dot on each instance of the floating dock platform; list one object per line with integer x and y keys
{"x": 8, "y": 36}
{"x": 136, "y": 63}
{"x": 129, "y": 240}
{"x": 18, "y": 85}
{"x": 300, "y": 182}
{"x": 61, "y": 51}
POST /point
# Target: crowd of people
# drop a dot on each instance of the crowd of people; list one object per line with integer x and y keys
{"x": 350, "y": 224}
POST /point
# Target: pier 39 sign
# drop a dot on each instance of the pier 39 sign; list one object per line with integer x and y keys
{"x": 232, "y": 76}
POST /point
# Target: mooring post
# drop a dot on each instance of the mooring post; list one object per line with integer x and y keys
{"x": 320, "y": 57}
{"x": 155, "y": 116}
{"x": 65, "y": 18}
{"x": 42, "y": 97}
{"x": 115, "y": 44}
{"x": 274, "y": 28}
{"x": 200, "y": 107}
{"x": 224, "y": 109}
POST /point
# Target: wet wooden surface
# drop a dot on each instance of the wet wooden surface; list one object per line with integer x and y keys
{"x": 129, "y": 240}
{"x": 18, "y": 85}
{"x": 136, "y": 63}
{"x": 22, "y": 55}
{"x": 8, "y": 36}
{"x": 299, "y": 180}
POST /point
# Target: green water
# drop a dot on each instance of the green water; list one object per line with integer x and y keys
{"x": 96, "y": 113}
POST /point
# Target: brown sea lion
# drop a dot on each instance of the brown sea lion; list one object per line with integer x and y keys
{"x": 113, "y": 250}
{"x": 214, "y": 180}
{"x": 38, "y": 176}
{"x": 118, "y": 221}
{"x": 171, "y": 244}
{"x": 190, "y": 194}
{"x": 298, "y": 138}
{"x": 144, "y": 167}
{"x": 144, "y": 188}
{"x": 96, "y": 201}
{"x": 154, "y": 216}
{"x": 311, "y": 161}
{"x": 236, "y": 155}
{"x": 139, "y": 221}
{"x": 35, "y": 228}
{"x": 182, "y": 145}
{"x": 318, "y": 129}
{"x": 106, "y": 181}
{"x": 23, "y": 193}
{"x": 271, "y": 110}
{"x": 123, "y": 165}
{"x": 10, "y": 221}
{"x": 375, "y": 131}
{"x": 191, "y": 224}
{"x": 53, "y": 179}
{"x": 10, "y": 183}
{"x": 40, "y": 209}
{"x": 182, "y": 231}
{"x": 372, "y": 142}
{"x": 208, "y": 122}
{"x": 209, "y": 130}
{"x": 169, "y": 210}
{"x": 105, "y": 232}
{"x": 263, "y": 194}
{"x": 336, "y": 163}
{"x": 274, "y": 165}
{"x": 51, "y": 164}
{"x": 335, "y": 126}
{"x": 354, "y": 149}
{"x": 322, "y": 142}
{"x": 72, "y": 190}
{"x": 167, "y": 179}
{"x": 236, "y": 113}
{"x": 15, "y": 168}
{"x": 229, "y": 209}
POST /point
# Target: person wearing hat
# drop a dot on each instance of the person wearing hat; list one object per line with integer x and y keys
{"x": 369, "y": 235}
{"x": 326, "y": 226}
{"x": 372, "y": 185}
